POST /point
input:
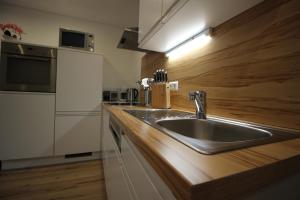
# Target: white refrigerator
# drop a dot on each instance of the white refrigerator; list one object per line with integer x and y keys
{"x": 78, "y": 102}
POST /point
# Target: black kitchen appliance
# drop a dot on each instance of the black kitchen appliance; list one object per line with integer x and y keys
{"x": 76, "y": 39}
{"x": 132, "y": 95}
{"x": 27, "y": 68}
{"x": 109, "y": 95}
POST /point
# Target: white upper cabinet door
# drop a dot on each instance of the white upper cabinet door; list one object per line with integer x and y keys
{"x": 150, "y": 13}
{"x": 167, "y": 4}
{"x": 79, "y": 81}
{"x": 188, "y": 18}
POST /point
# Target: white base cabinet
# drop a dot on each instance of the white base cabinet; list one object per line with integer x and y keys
{"x": 116, "y": 179}
{"x": 146, "y": 182}
{"x": 26, "y": 125}
{"x": 127, "y": 174}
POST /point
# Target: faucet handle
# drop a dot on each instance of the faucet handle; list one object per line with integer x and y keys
{"x": 192, "y": 95}
{"x": 199, "y": 93}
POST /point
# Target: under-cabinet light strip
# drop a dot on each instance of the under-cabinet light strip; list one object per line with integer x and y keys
{"x": 205, "y": 37}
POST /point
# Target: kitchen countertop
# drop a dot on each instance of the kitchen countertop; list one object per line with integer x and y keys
{"x": 191, "y": 175}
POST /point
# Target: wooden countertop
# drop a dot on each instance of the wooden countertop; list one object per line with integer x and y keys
{"x": 191, "y": 175}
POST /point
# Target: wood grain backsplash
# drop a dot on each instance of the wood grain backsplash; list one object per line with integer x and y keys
{"x": 250, "y": 70}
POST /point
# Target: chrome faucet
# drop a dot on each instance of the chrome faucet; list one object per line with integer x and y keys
{"x": 200, "y": 100}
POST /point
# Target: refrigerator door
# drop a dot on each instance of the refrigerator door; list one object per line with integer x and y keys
{"x": 77, "y": 132}
{"x": 79, "y": 81}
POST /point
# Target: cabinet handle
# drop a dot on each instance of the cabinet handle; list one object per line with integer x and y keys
{"x": 117, "y": 137}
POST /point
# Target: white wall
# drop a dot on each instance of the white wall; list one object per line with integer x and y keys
{"x": 121, "y": 67}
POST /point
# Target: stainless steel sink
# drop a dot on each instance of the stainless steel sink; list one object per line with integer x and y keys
{"x": 213, "y": 130}
{"x": 211, "y": 135}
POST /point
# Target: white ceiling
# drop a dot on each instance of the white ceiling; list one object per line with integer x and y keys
{"x": 121, "y": 13}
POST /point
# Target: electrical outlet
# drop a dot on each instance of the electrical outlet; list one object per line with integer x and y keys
{"x": 174, "y": 85}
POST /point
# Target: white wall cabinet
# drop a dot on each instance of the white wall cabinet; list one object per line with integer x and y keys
{"x": 185, "y": 18}
{"x": 26, "y": 125}
{"x": 150, "y": 14}
{"x": 167, "y": 5}
{"x": 78, "y": 102}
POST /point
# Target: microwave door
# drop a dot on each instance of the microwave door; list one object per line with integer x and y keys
{"x": 73, "y": 39}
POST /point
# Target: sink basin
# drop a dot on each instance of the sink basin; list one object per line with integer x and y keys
{"x": 212, "y": 135}
{"x": 213, "y": 130}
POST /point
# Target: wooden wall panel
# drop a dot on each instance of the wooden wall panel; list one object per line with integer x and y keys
{"x": 250, "y": 70}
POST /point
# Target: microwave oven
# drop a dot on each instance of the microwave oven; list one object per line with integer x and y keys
{"x": 76, "y": 39}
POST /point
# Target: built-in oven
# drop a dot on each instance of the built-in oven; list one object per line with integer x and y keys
{"x": 27, "y": 68}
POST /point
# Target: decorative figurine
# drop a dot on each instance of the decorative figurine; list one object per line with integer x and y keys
{"x": 11, "y": 31}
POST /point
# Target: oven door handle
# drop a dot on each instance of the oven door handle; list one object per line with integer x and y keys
{"x": 29, "y": 57}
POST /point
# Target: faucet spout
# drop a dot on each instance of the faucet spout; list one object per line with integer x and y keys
{"x": 199, "y": 97}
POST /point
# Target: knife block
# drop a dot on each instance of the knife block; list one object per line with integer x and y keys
{"x": 161, "y": 95}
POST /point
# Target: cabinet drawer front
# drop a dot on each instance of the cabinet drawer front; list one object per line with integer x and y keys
{"x": 141, "y": 182}
{"x": 77, "y": 134}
